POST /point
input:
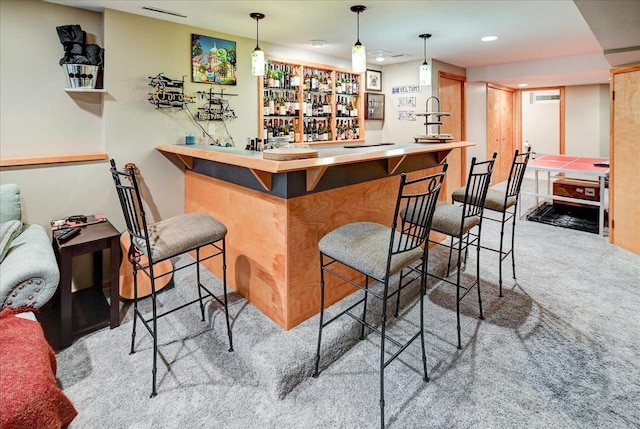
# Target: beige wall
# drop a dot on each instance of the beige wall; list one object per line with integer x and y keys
{"x": 37, "y": 117}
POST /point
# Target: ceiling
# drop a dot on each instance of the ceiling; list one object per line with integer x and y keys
{"x": 543, "y": 43}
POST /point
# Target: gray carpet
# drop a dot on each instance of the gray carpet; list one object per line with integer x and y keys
{"x": 559, "y": 350}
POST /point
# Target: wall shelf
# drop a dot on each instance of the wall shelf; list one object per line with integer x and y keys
{"x": 86, "y": 90}
{"x": 54, "y": 159}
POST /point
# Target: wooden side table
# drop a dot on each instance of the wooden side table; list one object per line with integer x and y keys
{"x": 87, "y": 310}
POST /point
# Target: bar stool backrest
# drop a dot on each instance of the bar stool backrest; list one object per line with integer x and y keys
{"x": 414, "y": 211}
{"x": 516, "y": 175}
{"x": 477, "y": 186}
{"x": 132, "y": 209}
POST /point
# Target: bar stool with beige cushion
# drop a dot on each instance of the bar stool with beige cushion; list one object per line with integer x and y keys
{"x": 457, "y": 221}
{"x": 505, "y": 202}
{"x": 378, "y": 252}
{"x": 154, "y": 243}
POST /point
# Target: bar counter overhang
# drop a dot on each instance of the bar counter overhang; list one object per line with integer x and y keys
{"x": 277, "y": 211}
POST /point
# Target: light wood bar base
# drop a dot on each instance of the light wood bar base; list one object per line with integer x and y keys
{"x": 272, "y": 241}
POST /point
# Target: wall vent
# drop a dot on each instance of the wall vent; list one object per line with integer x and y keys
{"x": 166, "y": 12}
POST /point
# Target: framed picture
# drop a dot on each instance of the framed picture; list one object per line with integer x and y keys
{"x": 213, "y": 60}
{"x": 375, "y": 106}
{"x": 373, "y": 80}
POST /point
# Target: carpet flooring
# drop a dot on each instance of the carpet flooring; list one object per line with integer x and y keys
{"x": 560, "y": 349}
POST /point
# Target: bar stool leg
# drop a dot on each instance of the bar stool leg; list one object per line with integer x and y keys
{"x": 315, "y": 373}
{"x": 135, "y": 309}
{"x": 155, "y": 338}
{"x": 513, "y": 241}
{"x": 364, "y": 309}
{"x": 382, "y": 354}
{"x": 478, "y": 271}
{"x": 504, "y": 214}
{"x": 458, "y": 291}
{"x": 224, "y": 287}
{"x": 199, "y": 284}
{"x": 423, "y": 292}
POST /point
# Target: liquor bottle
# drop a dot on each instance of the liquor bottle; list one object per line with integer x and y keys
{"x": 296, "y": 130}
{"x": 326, "y": 108}
{"x": 338, "y": 85}
{"x": 265, "y": 129}
{"x": 326, "y": 131}
{"x": 270, "y": 131}
{"x": 308, "y": 106}
{"x": 307, "y": 80}
{"x": 295, "y": 78}
{"x": 296, "y": 104}
{"x": 314, "y": 80}
{"x": 354, "y": 111}
{"x": 282, "y": 107}
{"x": 272, "y": 104}
{"x": 287, "y": 77}
{"x": 265, "y": 105}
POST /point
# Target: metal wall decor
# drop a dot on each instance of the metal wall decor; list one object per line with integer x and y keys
{"x": 216, "y": 107}
{"x": 168, "y": 92}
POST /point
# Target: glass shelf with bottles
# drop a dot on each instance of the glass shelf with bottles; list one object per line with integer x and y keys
{"x": 310, "y": 103}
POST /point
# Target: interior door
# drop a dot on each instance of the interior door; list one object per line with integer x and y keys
{"x": 500, "y": 130}
{"x": 624, "y": 156}
{"x": 451, "y": 95}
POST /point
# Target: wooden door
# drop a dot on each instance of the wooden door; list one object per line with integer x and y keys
{"x": 500, "y": 130}
{"x": 451, "y": 95}
{"x": 624, "y": 155}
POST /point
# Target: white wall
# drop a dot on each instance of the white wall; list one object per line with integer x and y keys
{"x": 541, "y": 122}
{"x": 587, "y": 122}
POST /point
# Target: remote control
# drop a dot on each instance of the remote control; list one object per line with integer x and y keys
{"x": 68, "y": 234}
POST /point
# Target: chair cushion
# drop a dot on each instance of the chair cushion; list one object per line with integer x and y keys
{"x": 8, "y": 231}
{"x": 365, "y": 247}
{"x": 447, "y": 219}
{"x": 494, "y": 201}
{"x": 180, "y": 234}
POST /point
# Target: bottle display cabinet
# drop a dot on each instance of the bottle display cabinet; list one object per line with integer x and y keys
{"x": 310, "y": 103}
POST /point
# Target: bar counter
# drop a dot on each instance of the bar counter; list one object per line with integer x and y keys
{"x": 277, "y": 211}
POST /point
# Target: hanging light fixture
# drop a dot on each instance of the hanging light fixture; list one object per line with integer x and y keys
{"x": 425, "y": 68}
{"x": 358, "y": 52}
{"x": 257, "y": 56}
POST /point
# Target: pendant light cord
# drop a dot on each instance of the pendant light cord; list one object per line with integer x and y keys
{"x": 257, "y": 21}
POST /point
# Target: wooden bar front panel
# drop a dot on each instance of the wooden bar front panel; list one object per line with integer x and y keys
{"x": 272, "y": 243}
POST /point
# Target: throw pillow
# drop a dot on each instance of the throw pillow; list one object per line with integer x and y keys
{"x": 8, "y": 231}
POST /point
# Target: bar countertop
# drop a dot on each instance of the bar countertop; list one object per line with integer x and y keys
{"x": 328, "y": 155}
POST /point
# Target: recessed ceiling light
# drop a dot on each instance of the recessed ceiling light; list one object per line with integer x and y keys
{"x": 380, "y": 59}
{"x": 489, "y": 38}
{"x": 317, "y": 43}
{"x": 523, "y": 85}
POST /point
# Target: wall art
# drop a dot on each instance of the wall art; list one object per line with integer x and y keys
{"x": 213, "y": 60}
{"x": 373, "y": 80}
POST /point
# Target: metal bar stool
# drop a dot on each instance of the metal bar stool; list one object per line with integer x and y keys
{"x": 152, "y": 244}
{"x": 378, "y": 252}
{"x": 505, "y": 202}
{"x": 457, "y": 221}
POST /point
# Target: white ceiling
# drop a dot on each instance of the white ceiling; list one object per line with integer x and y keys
{"x": 544, "y": 43}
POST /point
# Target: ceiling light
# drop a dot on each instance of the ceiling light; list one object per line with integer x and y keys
{"x": 317, "y": 43}
{"x": 523, "y": 85}
{"x": 489, "y": 38}
{"x": 358, "y": 52}
{"x": 257, "y": 56}
{"x": 380, "y": 58}
{"x": 425, "y": 68}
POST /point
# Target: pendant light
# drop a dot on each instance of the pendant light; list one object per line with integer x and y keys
{"x": 257, "y": 56}
{"x": 425, "y": 68}
{"x": 358, "y": 52}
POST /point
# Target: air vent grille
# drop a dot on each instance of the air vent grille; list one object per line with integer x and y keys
{"x": 166, "y": 12}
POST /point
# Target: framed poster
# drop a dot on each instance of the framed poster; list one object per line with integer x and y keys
{"x": 375, "y": 106}
{"x": 213, "y": 60}
{"x": 373, "y": 80}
